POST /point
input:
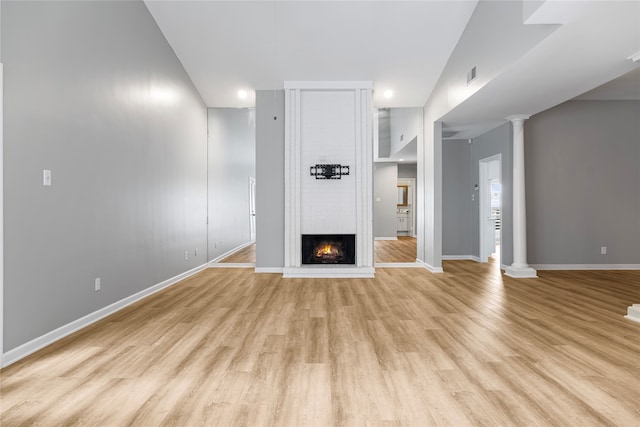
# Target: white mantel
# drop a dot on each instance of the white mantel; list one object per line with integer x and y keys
{"x": 328, "y": 123}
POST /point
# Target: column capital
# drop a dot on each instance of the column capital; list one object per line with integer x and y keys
{"x": 517, "y": 117}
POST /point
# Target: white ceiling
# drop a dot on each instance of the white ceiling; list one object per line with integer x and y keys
{"x": 226, "y": 46}
{"x": 589, "y": 50}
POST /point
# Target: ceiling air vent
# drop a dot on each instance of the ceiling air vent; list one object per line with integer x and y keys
{"x": 471, "y": 75}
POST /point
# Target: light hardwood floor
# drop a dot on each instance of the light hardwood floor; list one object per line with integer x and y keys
{"x": 245, "y": 255}
{"x": 228, "y": 347}
{"x": 402, "y": 250}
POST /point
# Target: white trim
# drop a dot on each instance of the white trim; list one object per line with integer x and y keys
{"x": 411, "y": 182}
{"x": 252, "y": 212}
{"x": 231, "y": 252}
{"x": 520, "y": 272}
{"x": 399, "y": 265}
{"x": 329, "y": 272}
{"x": 460, "y": 258}
{"x": 231, "y": 265}
{"x": 1, "y": 215}
{"x": 633, "y": 313}
{"x": 432, "y": 268}
{"x": 50, "y": 337}
{"x": 586, "y": 266}
{"x": 322, "y": 85}
{"x": 385, "y": 238}
{"x": 484, "y": 196}
{"x": 261, "y": 270}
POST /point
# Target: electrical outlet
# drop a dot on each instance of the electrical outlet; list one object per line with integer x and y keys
{"x": 603, "y": 250}
{"x": 186, "y": 255}
{"x": 97, "y": 284}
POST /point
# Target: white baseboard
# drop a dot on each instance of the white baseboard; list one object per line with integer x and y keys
{"x": 230, "y": 252}
{"x": 269, "y": 270}
{"x": 231, "y": 265}
{"x": 399, "y": 265}
{"x": 432, "y": 268}
{"x": 460, "y": 258}
{"x": 42, "y": 341}
{"x": 329, "y": 271}
{"x": 586, "y": 266}
{"x": 385, "y": 238}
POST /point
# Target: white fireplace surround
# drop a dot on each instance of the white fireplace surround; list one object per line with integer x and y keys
{"x": 328, "y": 123}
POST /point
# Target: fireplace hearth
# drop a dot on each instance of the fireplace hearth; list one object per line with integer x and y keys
{"x": 328, "y": 249}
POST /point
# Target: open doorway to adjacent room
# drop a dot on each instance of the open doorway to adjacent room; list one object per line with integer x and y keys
{"x": 231, "y": 187}
{"x": 490, "y": 208}
{"x": 397, "y": 133}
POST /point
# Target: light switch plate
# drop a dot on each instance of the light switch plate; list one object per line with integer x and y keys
{"x": 46, "y": 178}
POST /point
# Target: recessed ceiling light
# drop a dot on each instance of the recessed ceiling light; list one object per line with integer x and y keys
{"x": 242, "y": 94}
{"x": 388, "y": 93}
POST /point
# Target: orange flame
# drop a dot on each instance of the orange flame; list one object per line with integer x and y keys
{"x": 326, "y": 249}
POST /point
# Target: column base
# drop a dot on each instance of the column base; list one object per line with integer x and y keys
{"x": 633, "y": 313}
{"x": 521, "y": 272}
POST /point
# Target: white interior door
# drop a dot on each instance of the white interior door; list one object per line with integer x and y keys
{"x": 252, "y": 208}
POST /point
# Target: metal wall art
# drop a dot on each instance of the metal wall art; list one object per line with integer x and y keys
{"x": 329, "y": 171}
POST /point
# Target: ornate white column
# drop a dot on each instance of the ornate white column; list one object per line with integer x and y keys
{"x": 519, "y": 268}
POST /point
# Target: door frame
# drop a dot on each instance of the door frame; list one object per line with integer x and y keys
{"x": 252, "y": 209}
{"x": 485, "y": 175}
{"x": 1, "y": 216}
{"x": 411, "y": 184}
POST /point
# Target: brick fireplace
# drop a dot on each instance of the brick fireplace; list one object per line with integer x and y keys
{"x": 328, "y": 178}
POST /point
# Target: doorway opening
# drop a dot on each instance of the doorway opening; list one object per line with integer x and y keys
{"x": 490, "y": 189}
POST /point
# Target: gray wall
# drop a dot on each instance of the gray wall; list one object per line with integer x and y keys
{"x": 405, "y": 125}
{"x": 456, "y": 198}
{"x": 385, "y": 188}
{"x": 498, "y": 140}
{"x": 407, "y": 170}
{"x": 270, "y": 179}
{"x": 94, "y": 93}
{"x": 583, "y": 183}
{"x": 232, "y": 160}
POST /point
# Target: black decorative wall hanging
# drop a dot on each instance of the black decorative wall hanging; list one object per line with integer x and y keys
{"x": 329, "y": 171}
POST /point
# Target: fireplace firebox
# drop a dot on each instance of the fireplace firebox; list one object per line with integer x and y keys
{"x": 328, "y": 249}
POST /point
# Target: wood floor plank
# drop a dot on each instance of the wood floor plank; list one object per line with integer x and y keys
{"x": 243, "y": 256}
{"x": 402, "y": 250}
{"x": 408, "y": 348}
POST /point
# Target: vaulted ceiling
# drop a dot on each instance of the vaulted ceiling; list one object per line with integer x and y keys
{"x": 226, "y": 46}
{"x": 552, "y": 52}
